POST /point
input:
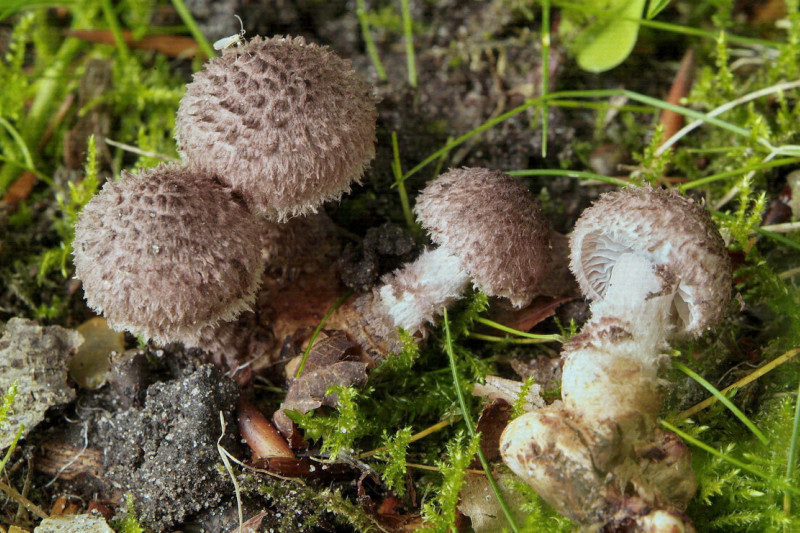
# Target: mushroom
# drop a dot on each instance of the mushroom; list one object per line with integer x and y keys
{"x": 490, "y": 231}
{"x": 656, "y": 268}
{"x": 165, "y": 252}
{"x": 288, "y": 125}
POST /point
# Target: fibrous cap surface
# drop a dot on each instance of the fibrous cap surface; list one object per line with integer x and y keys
{"x": 287, "y": 124}
{"x": 493, "y": 225}
{"x": 671, "y": 231}
{"x": 165, "y": 252}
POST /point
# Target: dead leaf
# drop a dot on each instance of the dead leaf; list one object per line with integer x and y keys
{"x": 20, "y": 189}
{"x": 525, "y": 319}
{"x": 491, "y": 423}
{"x": 57, "y": 458}
{"x": 253, "y": 524}
{"x": 62, "y": 506}
{"x": 766, "y": 12}
{"x": 170, "y": 45}
{"x": 672, "y": 121}
{"x": 327, "y": 365}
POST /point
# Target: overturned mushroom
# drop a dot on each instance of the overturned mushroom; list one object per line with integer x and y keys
{"x": 165, "y": 252}
{"x": 490, "y": 231}
{"x": 657, "y": 268}
{"x": 286, "y": 124}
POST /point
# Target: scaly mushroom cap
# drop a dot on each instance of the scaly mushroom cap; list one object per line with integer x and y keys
{"x": 671, "y": 231}
{"x": 165, "y": 252}
{"x": 287, "y": 124}
{"x": 493, "y": 225}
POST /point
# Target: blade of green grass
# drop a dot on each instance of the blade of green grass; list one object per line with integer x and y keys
{"x": 408, "y": 32}
{"x": 779, "y": 87}
{"x": 188, "y": 19}
{"x": 11, "y": 447}
{"x": 545, "y": 68}
{"x": 769, "y": 234}
{"x": 369, "y": 43}
{"x": 26, "y": 153}
{"x": 580, "y": 174}
{"x": 787, "y": 502}
{"x": 751, "y": 377}
{"x": 723, "y": 400}
{"x": 470, "y": 426}
{"x": 744, "y": 466}
{"x": 10, "y": 7}
{"x": 601, "y": 93}
{"x": 116, "y": 29}
{"x": 518, "y": 333}
{"x": 508, "y": 340}
{"x": 730, "y": 173}
{"x": 397, "y": 169}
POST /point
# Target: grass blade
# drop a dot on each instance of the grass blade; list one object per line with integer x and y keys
{"x": 744, "y": 466}
{"x": 369, "y": 43}
{"x": 787, "y": 502}
{"x": 408, "y": 32}
{"x": 319, "y": 327}
{"x": 518, "y": 333}
{"x": 723, "y": 399}
{"x": 470, "y": 426}
{"x": 545, "y": 68}
{"x": 188, "y": 19}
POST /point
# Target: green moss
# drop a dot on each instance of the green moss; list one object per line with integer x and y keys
{"x": 439, "y": 513}
{"x": 393, "y": 472}
{"x": 128, "y": 523}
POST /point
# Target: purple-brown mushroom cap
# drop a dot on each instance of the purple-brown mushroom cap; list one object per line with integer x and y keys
{"x": 288, "y": 125}
{"x": 672, "y": 231}
{"x": 166, "y": 252}
{"x": 493, "y": 225}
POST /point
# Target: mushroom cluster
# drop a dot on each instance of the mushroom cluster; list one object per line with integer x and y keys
{"x": 269, "y": 130}
{"x": 657, "y": 269}
{"x": 272, "y": 129}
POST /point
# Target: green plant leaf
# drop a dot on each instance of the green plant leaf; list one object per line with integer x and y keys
{"x": 655, "y": 7}
{"x": 610, "y": 41}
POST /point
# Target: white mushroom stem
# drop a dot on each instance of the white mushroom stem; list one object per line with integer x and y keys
{"x": 416, "y": 294}
{"x": 613, "y": 375}
{"x": 641, "y": 296}
{"x": 581, "y": 456}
